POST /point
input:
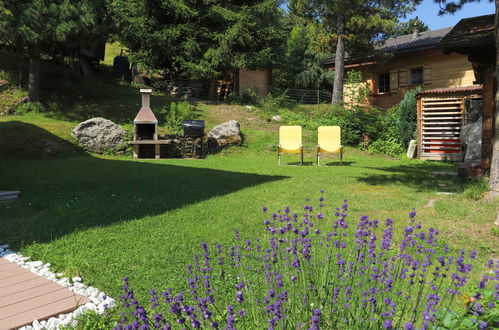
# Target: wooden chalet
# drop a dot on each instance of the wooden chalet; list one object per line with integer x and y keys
{"x": 416, "y": 60}
{"x": 474, "y": 38}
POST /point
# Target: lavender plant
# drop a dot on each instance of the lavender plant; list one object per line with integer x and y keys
{"x": 313, "y": 271}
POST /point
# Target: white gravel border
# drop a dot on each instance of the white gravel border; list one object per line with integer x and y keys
{"x": 97, "y": 304}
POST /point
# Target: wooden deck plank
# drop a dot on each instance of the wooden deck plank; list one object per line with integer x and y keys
{"x": 25, "y": 285}
{"x": 25, "y": 297}
{"x": 34, "y": 302}
{"x": 12, "y": 272}
{"x": 17, "y": 279}
{"x": 45, "y": 312}
{"x": 20, "y": 296}
{"x": 5, "y": 267}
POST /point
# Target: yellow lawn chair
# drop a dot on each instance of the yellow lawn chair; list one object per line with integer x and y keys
{"x": 289, "y": 142}
{"x": 329, "y": 141}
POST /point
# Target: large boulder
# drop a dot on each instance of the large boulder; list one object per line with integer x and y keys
{"x": 224, "y": 135}
{"x": 471, "y": 134}
{"x": 100, "y": 135}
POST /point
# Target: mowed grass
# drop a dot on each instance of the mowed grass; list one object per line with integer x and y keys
{"x": 106, "y": 217}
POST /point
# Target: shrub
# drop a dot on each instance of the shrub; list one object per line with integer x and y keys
{"x": 312, "y": 271}
{"x": 406, "y": 122}
{"x": 177, "y": 114}
{"x": 353, "y": 123}
{"x": 386, "y": 147}
{"x": 273, "y": 104}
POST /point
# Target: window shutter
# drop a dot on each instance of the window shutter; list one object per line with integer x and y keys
{"x": 394, "y": 81}
{"x": 427, "y": 75}
{"x": 403, "y": 78}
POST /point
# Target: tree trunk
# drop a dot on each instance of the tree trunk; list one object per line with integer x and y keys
{"x": 34, "y": 76}
{"x": 494, "y": 166}
{"x": 339, "y": 63}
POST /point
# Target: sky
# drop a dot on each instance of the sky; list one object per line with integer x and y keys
{"x": 427, "y": 11}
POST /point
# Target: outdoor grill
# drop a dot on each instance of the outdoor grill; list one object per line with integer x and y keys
{"x": 193, "y": 142}
{"x": 194, "y": 128}
{"x": 145, "y": 130}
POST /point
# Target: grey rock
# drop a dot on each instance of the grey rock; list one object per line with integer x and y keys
{"x": 99, "y": 135}
{"x": 411, "y": 150}
{"x": 471, "y": 135}
{"x": 224, "y": 135}
{"x": 276, "y": 118}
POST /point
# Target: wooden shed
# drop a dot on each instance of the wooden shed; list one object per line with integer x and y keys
{"x": 441, "y": 115}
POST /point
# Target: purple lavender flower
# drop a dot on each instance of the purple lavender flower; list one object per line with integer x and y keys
{"x": 387, "y": 324}
{"x": 408, "y": 326}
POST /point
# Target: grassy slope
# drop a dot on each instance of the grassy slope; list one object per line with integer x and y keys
{"x": 104, "y": 217}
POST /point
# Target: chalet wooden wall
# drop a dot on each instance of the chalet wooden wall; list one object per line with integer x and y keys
{"x": 259, "y": 79}
{"x": 439, "y": 71}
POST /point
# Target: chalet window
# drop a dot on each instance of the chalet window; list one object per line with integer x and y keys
{"x": 416, "y": 76}
{"x": 384, "y": 83}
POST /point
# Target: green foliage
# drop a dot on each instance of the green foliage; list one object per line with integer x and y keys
{"x": 480, "y": 313}
{"x": 274, "y": 104}
{"x": 203, "y": 39}
{"x": 386, "y": 147}
{"x": 177, "y": 114}
{"x": 249, "y": 96}
{"x": 476, "y": 188}
{"x": 406, "y": 121}
{"x": 354, "y": 124}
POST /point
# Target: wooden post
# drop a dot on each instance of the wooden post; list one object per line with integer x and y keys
{"x": 419, "y": 117}
{"x": 135, "y": 151}
{"x": 157, "y": 151}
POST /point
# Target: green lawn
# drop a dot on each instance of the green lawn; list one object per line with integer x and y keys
{"x": 106, "y": 217}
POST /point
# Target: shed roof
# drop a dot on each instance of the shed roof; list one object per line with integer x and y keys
{"x": 466, "y": 89}
{"x": 470, "y": 33}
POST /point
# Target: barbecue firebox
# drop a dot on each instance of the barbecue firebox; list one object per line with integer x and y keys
{"x": 193, "y": 145}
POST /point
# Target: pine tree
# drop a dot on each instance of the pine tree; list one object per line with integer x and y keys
{"x": 354, "y": 24}
{"x": 35, "y": 27}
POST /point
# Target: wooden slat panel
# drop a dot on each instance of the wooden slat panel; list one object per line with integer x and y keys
{"x": 443, "y": 148}
{"x": 426, "y": 108}
{"x": 437, "y": 143}
{"x": 443, "y": 123}
{"x": 440, "y": 138}
{"x": 448, "y": 128}
{"x": 450, "y": 116}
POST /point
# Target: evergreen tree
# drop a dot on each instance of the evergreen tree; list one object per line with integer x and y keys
{"x": 35, "y": 27}
{"x": 199, "y": 38}
{"x": 353, "y": 25}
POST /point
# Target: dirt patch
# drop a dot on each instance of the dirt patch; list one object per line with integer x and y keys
{"x": 217, "y": 114}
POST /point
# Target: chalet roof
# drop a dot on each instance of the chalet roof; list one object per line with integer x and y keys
{"x": 409, "y": 43}
{"x": 470, "y": 34}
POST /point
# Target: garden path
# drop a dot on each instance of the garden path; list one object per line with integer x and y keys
{"x": 26, "y": 297}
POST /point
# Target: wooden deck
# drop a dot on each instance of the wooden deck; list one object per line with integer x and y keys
{"x": 25, "y": 297}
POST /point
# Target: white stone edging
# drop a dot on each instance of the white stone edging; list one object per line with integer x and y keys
{"x": 98, "y": 299}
